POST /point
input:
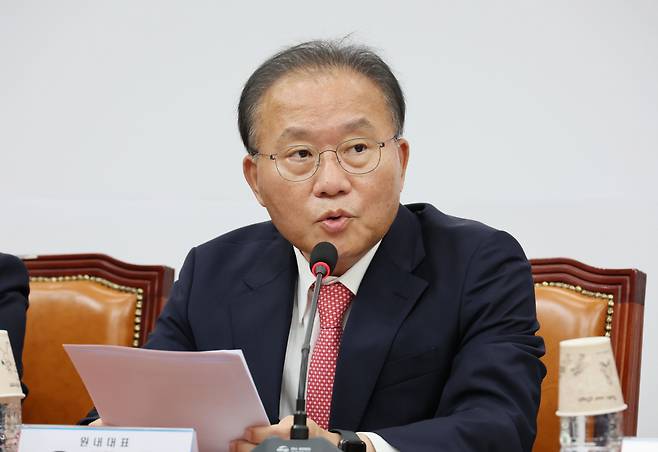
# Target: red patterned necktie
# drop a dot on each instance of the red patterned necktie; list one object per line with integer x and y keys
{"x": 332, "y": 304}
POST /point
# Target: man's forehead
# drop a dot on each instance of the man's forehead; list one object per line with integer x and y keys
{"x": 318, "y": 105}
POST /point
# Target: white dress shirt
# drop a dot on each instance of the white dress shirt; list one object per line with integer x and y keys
{"x": 300, "y": 313}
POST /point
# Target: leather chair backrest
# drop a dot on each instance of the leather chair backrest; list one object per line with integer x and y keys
{"x": 563, "y": 313}
{"x": 70, "y": 311}
{"x": 82, "y": 299}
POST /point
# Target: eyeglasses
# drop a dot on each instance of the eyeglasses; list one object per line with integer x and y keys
{"x": 355, "y": 156}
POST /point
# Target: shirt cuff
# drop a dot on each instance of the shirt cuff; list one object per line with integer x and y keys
{"x": 379, "y": 443}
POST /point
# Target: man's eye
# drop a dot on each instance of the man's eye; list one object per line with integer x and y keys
{"x": 299, "y": 154}
{"x": 358, "y": 148}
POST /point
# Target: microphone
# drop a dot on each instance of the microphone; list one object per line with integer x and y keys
{"x": 323, "y": 260}
{"x": 324, "y": 257}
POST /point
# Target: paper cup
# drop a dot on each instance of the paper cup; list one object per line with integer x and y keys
{"x": 10, "y": 386}
{"x": 588, "y": 382}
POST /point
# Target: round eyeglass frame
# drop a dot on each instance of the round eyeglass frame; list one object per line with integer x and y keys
{"x": 380, "y": 145}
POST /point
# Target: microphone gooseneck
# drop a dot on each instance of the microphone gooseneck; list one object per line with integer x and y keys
{"x": 324, "y": 257}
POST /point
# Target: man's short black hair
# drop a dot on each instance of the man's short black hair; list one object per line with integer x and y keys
{"x": 315, "y": 55}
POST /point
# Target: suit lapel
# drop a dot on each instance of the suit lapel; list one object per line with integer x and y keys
{"x": 387, "y": 293}
{"x": 260, "y": 318}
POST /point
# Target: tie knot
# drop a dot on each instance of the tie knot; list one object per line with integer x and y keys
{"x": 332, "y": 304}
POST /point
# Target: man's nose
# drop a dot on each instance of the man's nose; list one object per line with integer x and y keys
{"x": 331, "y": 179}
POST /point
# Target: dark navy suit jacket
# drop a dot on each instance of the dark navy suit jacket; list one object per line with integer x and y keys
{"x": 439, "y": 352}
{"x": 14, "y": 290}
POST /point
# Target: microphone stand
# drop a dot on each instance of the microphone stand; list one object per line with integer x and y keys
{"x": 299, "y": 429}
{"x": 299, "y": 440}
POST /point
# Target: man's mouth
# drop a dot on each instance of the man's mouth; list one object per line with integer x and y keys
{"x": 335, "y": 221}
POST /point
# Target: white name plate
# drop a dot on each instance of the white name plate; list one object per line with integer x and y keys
{"x": 69, "y": 438}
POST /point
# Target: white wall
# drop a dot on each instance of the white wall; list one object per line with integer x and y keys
{"x": 117, "y": 123}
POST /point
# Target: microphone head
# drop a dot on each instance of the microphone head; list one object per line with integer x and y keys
{"x": 323, "y": 259}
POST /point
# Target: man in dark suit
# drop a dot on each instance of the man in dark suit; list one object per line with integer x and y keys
{"x": 14, "y": 290}
{"x": 437, "y": 350}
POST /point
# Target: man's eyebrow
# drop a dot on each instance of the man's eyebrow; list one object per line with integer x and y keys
{"x": 294, "y": 132}
{"x": 357, "y": 124}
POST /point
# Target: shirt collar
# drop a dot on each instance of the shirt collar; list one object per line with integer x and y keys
{"x": 351, "y": 278}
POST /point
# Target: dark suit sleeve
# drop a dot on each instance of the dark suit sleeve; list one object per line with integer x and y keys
{"x": 491, "y": 398}
{"x": 14, "y": 291}
{"x": 172, "y": 330}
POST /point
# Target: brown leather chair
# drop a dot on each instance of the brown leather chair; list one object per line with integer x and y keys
{"x": 82, "y": 299}
{"x": 576, "y": 300}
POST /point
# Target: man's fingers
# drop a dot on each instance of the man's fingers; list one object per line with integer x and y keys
{"x": 257, "y": 435}
{"x": 240, "y": 445}
{"x": 97, "y": 423}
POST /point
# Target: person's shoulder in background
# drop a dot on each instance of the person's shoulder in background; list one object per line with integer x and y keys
{"x": 14, "y": 291}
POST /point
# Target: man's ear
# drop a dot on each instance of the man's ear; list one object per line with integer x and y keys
{"x": 250, "y": 171}
{"x": 403, "y": 156}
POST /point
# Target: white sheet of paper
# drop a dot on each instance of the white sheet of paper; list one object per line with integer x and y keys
{"x": 212, "y": 392}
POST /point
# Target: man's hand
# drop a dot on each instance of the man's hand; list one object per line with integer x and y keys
{"x": 97, "y": 423}
{"x": 256, "y": 435}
